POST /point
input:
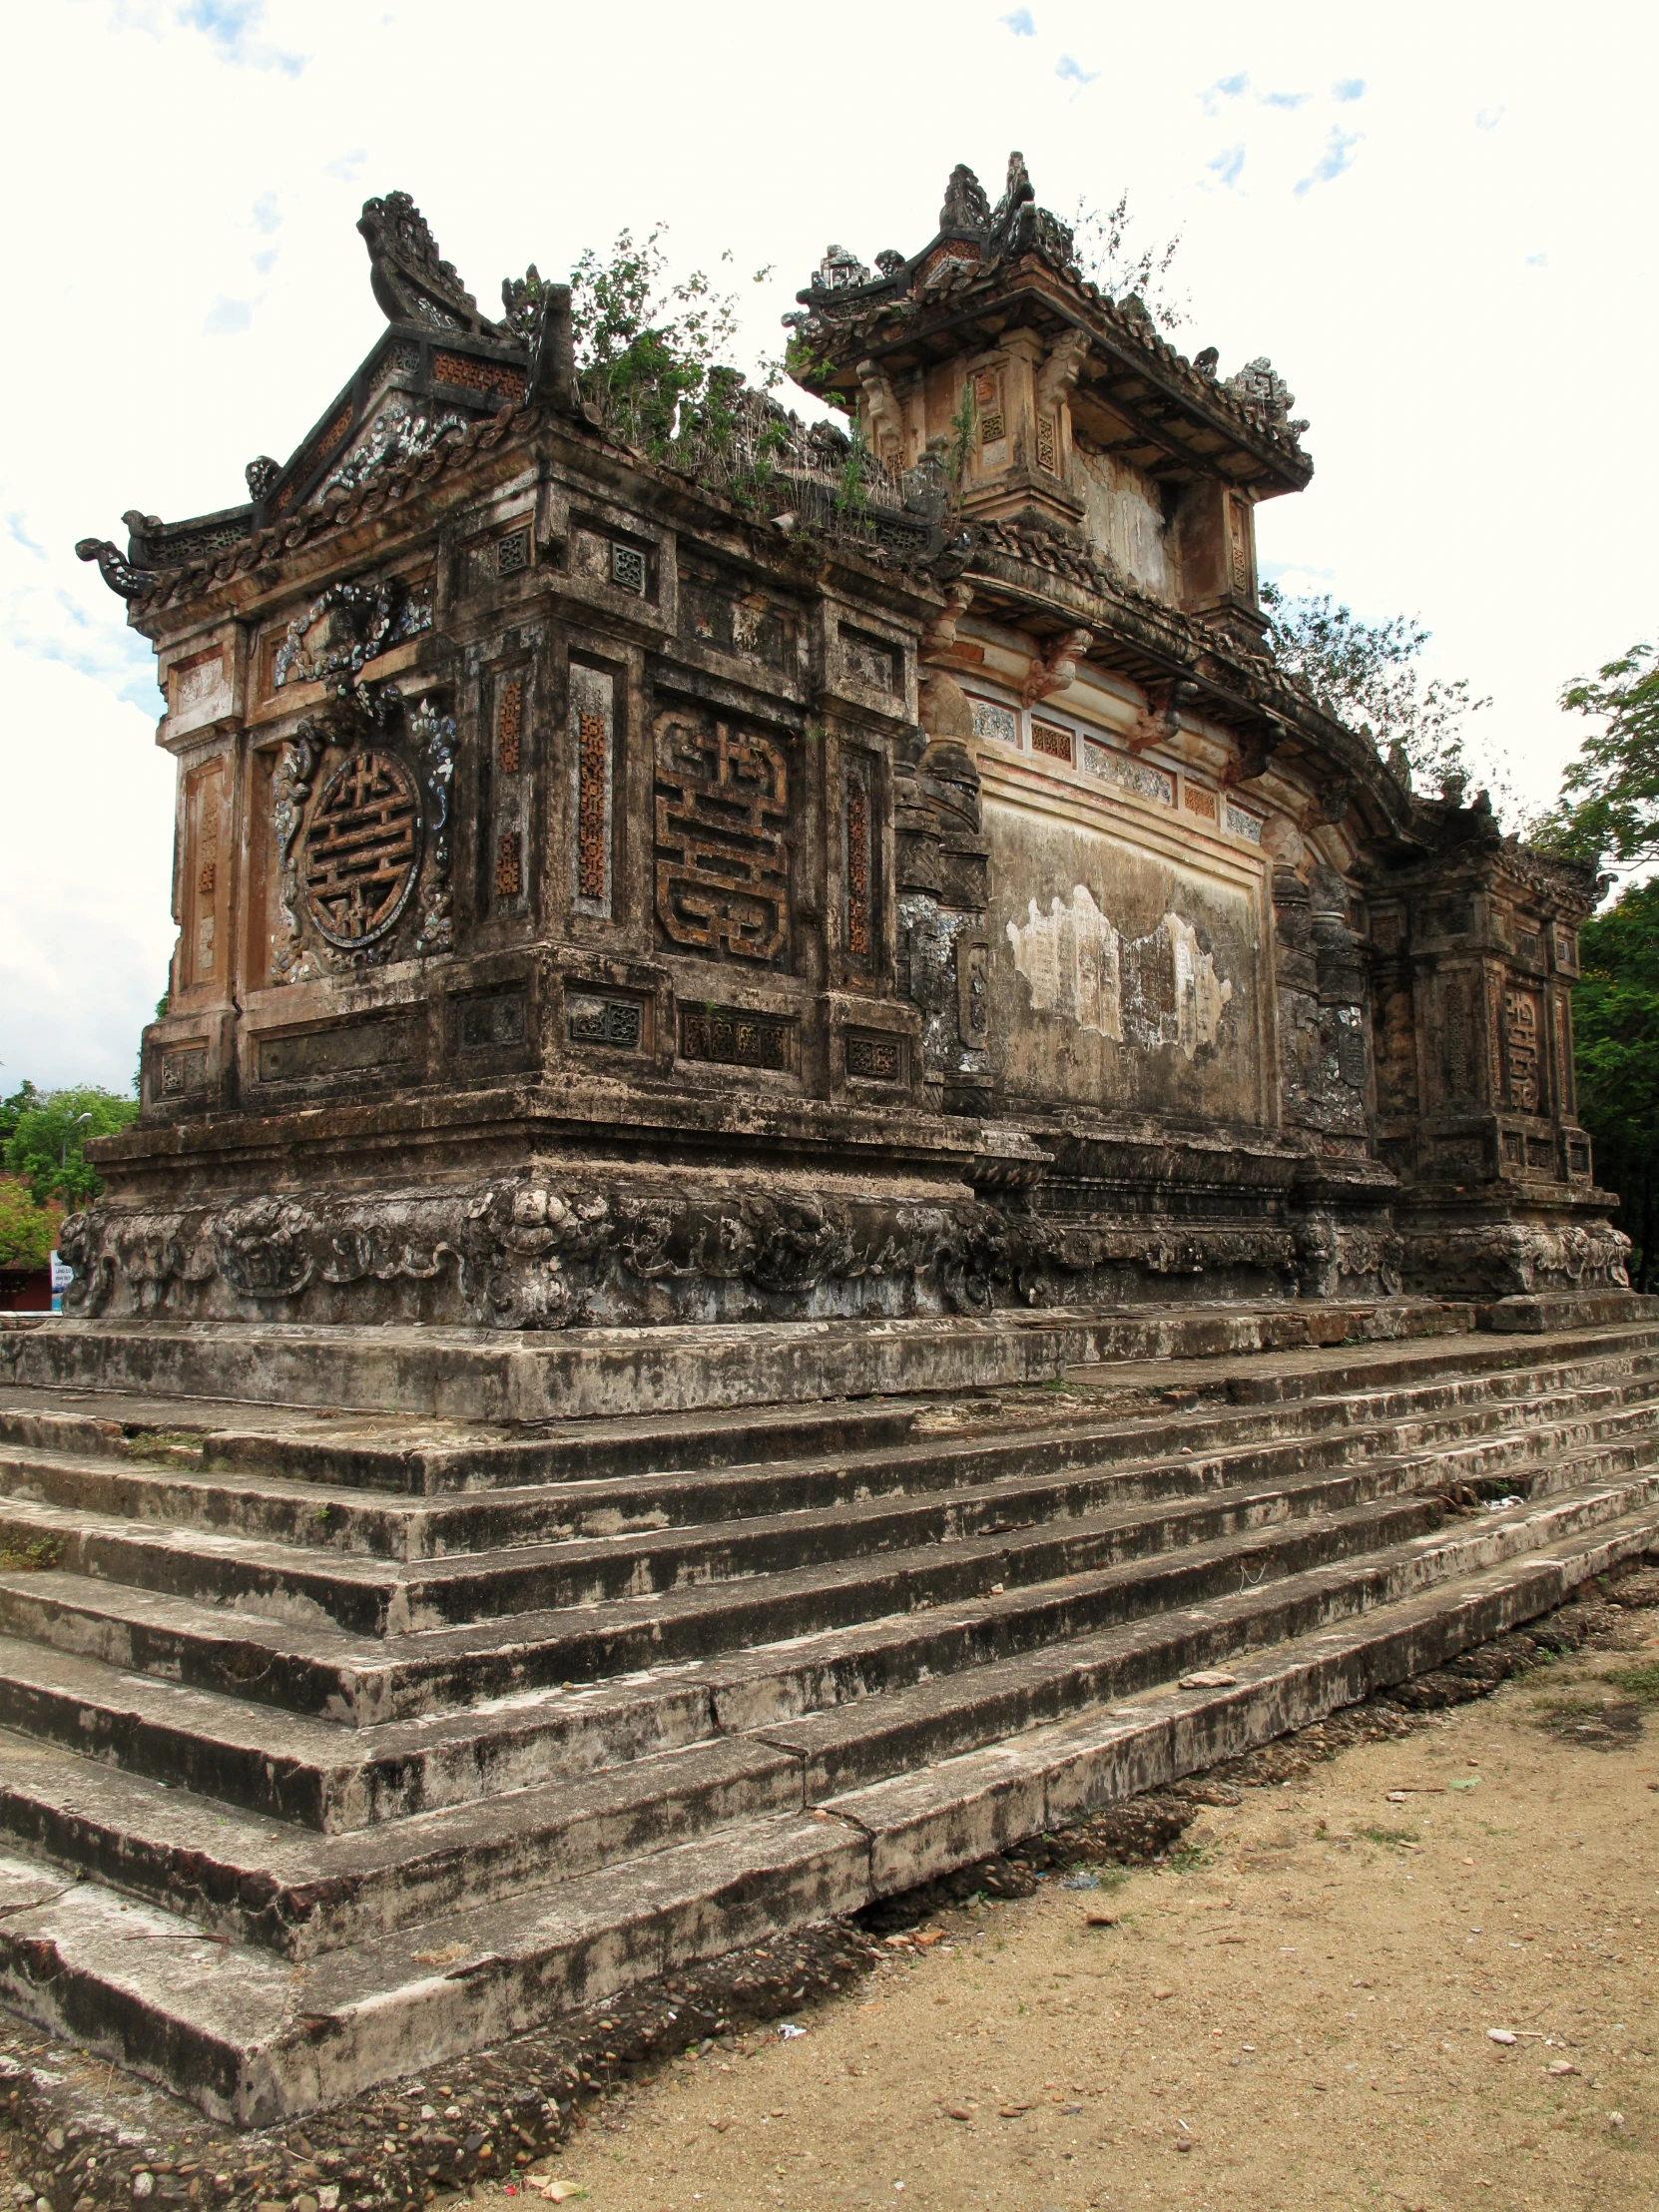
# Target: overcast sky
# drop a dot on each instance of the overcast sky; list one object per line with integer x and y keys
{"x": 1437, "y": 220}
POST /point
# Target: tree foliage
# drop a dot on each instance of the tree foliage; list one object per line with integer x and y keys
{"x": 1366, "y": 675}
{"x": 1609, "y": 803}
{"x": 1107, "y": 258}
{"x": 44, "y": 1134}
{"x": 1616, "y": 1033}
{"x": 28, "y": 1232}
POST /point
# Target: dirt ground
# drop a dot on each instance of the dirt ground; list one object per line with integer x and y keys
{"x": 1296, "y": 2012}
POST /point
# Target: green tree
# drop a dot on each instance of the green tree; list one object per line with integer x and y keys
{"x": 45, "y": 1137}
{"x": 27, "y": 1232}
{"x": 1616, "y": 1031}
{"x": 1609, "y": 804}
{"x": 1365, "y": 674}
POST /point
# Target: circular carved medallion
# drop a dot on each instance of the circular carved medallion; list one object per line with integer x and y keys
{"x": 363, "y": 848}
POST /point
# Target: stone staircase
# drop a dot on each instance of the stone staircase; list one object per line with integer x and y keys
{"x": 333, "y": 1744}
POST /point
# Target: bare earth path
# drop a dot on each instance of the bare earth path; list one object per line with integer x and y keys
{"x": 1294, "y": 2015}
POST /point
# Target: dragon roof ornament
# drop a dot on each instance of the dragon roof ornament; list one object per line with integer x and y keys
{"x": 411, "y": 280}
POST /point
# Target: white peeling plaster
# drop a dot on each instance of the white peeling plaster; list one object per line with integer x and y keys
{"x": 1143, "y": 991}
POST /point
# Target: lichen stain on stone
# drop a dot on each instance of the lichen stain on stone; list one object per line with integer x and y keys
{"x": 1142, "y": 991}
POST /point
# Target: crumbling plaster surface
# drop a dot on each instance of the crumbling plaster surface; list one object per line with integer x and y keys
{"x": 1181, "y": 1031}
{"x": 1123, "y": 518}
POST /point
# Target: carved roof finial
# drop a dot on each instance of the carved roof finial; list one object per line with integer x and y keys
{"x": 1259, "y": 384}
{"x": 411, "y": 280}
{"x": 965, "y": 204}
{"x": 840, "y": 268}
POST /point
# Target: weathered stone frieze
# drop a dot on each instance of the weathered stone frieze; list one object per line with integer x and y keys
{"x": 524, "y": 1252}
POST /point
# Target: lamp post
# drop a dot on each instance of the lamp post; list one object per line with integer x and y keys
{"x": 73, "y": 1124}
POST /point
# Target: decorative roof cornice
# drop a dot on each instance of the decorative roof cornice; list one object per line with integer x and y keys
{"x": 850, "y": 315}
{"x": 1233, "y": 681}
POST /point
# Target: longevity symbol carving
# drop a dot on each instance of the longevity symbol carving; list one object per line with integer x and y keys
{"x": 363, "y": 848}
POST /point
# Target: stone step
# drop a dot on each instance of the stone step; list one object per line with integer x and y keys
{"x": 263, "y": 1881}
{"x": 254, "y": 2038}
{"x": 275, "y": 1509}
{"x": 366, "y": 1593}
{"x": 430, "y": 1459}
{"x": 1368, "y": 1368}
{"x": 256, "y": 1878}
{"x": 370, "y": 1682}
{"x": 1018, "y": 1536}
{"x": 599, "y": 1450}
{"x": 906, "y": 1627}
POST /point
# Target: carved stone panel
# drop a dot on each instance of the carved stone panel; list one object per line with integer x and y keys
{"x": 179, "y": 1072}
{"x": 1456, "y": 1031}
{"x": 858, "y": 862}
{"x": 385, "y": 1045}
{"x": 204, "y": 902}
{"x": 733, "y": 1038}
{"x": 507, "y": 851}
{"x": 873, "y": 1057}
{"x": 1524, "y": 1048}
{"x": 495, "y": 1021}
{"x": 723, "y": 816}
{"x": 609, "y": 1018}
{"x": 720, "y": 612}
{"x": 871, "y": 661}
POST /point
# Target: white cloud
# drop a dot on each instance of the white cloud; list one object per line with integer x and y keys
{"x": 1337, "y": 157}
{"x": 85, "y": 845}
{"x": 1404, "y": 303}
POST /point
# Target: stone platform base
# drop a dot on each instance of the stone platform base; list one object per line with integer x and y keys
{"x": 336, "y": 1742}
{"x": 533, "y": 1375}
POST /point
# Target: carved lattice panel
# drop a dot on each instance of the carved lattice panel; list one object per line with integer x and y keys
{"x": 593, "y": 786}
{"x": 363, "y": 848}
{"x": 722, "y": 830}
{"x": 859, "y": 860}
{"x": 992, "y": 417}
{"x": 508, "y": 847}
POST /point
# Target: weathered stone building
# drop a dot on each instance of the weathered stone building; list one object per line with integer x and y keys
{"x": 733, "y": 1014}
{"x": 610, "y": 889}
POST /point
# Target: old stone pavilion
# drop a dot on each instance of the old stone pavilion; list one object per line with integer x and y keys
{"x": 815, "y": 1137}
